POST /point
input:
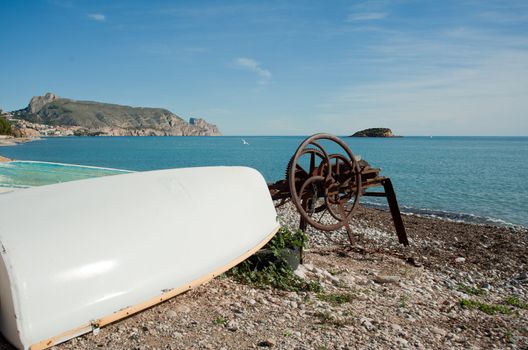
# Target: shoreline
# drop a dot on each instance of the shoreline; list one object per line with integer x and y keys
{"x": 456, "y": 217}
{"x": 13, "y": 141}
{"x": 455, "y": 286}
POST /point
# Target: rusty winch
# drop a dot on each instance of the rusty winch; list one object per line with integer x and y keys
{"x": 326, "y": 187}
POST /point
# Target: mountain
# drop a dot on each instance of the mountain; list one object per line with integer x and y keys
{"x": 95, "y": 118}
{"x": 374, "y": 132}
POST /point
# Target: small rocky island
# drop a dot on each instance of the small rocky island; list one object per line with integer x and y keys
{"x": 51, "y": 115}
{"x": 374, "y": 132}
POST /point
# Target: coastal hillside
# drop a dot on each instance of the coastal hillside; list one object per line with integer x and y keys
{"x": 95, "y": 118}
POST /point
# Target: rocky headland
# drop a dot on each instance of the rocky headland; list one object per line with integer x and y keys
{"x": 51, "y": 115}
{"x": 374, "y": 132}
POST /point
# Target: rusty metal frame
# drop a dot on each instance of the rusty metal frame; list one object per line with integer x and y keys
{"x": 340, "y": 185}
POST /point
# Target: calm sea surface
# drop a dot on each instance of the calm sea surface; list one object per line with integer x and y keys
{"x": 477, "y": 179}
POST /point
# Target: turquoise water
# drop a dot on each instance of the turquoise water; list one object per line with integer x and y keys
{"x": 478, "y": 179}
{"x": 21, "y": 174}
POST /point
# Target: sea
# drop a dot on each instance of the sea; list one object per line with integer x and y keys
{"x": 480, "y": 180}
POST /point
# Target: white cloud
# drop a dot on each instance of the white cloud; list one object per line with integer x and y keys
{"x": 366, "y": 16}
{"x": 99, "y": 17}
{"x": 456, "y": 81}
{"x": 485, "y": 99}
{"x": 370, "y": 10}
{"x": 254, "y": 66}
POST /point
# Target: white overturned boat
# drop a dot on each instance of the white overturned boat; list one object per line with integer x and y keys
{"x": 78, "y": 255}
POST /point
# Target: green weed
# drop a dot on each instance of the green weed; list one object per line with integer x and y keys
{"x": 490, "y": 309}
{"x": 469, "y": 290}
{"x": 404, "y": 301}
{"x": 512, "y": 300}
{"x": 272, "y": 270}
{"x": 220, "y": 321}
{"x": 336, "y": 272}
{"x": 278, "y": 276}
{"x": 336, "y": 298}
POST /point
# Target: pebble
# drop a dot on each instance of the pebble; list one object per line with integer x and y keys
{"x": 171, "y": 313}
{"x": 309, "y": 267}
{"x": 460, "y": 260}
{"x": 301, "y": 271}
{"x": 183, "y": 309}
{"x": 397, "y": 328}
{"x": 386, "y": 279}
{"x": 268, "y": 343}
{"x": 367, "y": 323}
{"x": 177, "y": 335}
{"x": 327, "y": 275}
{"x": 523, "y": 276}
{"x": 402, "y": 342}
{"x": 232, "y": 326}
{"x": 486, "y": 286}
{"x": 438, "y": 331}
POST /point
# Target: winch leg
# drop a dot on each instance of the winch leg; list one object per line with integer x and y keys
{"x": 302, "y": 226}
{"x": 395, "y": 212}
{"x": 347, "y": 225}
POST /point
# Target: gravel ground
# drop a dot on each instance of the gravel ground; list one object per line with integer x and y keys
{"x": 393, "y": 296}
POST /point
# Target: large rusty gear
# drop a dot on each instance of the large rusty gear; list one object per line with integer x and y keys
{"x": 324, "y": 187}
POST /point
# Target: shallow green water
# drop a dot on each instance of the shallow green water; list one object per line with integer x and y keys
{"x": 22, "y": 174}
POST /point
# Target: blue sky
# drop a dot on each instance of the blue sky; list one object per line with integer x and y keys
{"x": 280, "y": 67}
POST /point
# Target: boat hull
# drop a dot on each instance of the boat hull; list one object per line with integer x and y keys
{"x": 82, "y": 254}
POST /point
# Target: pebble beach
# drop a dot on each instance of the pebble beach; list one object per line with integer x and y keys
{"x": 457, "y": 286}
